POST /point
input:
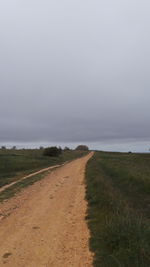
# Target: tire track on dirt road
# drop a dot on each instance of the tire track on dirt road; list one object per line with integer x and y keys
{"x": 46, "y": 224}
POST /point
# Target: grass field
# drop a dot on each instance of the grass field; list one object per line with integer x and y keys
{"x": 118, "y": 194}
{"x": 16, "y": 163}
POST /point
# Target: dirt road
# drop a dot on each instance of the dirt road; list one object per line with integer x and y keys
{"x": 45, "y": 224}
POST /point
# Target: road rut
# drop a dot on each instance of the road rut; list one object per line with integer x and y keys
{"x": 45, "y": 225}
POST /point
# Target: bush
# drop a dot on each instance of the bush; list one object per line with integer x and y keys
{"x": 52, "y": 151}
{"x": 82, "y": 147}
{"x": 66, "y": 148}
{"x": 3, "y": 147}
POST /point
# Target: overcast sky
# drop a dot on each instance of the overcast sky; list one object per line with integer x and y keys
{"x": 74, "y": 71}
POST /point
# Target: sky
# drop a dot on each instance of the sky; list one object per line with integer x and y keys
{"x": 75, "y": 72}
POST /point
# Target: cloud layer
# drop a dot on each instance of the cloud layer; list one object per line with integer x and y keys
{"x": 73, "y": 71}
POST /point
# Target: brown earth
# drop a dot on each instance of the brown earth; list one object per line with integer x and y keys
{"x": 45, "y": 225}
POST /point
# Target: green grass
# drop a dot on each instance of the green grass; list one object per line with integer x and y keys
{"x": 118, "y": 194}
{"x": 16, "y": 163}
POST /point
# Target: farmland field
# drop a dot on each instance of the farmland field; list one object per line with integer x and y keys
{"x": 118, "y": 194}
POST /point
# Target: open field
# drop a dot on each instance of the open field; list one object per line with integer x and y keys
{"x": 14, "y": 164}
{"x": 118, "y": 193}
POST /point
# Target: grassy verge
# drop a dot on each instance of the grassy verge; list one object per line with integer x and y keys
{"x": 16, "y": 163}
{"x": 118, "y": 194}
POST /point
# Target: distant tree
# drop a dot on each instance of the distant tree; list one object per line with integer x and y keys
{"x": 14, "y": 148}
{"x": 60, "y": 150}
{"x": 3, "y": 147}
{"x": 82, "y": 147}
{"x": 41, "y": 147}
{"x": 52, "y": 151}
{"x": 66, "y": 148}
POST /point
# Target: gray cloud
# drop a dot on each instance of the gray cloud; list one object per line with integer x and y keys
{"x": 74, "y": 71}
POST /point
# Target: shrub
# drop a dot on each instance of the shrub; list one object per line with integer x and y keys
{"x": 66, "y": 148}
{"x": 52, "y": 151}
{"x": 82, "y": 147}
{"x": 3, "y": 147}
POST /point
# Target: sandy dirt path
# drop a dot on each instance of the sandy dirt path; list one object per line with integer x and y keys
{"x": 45, "y": 225}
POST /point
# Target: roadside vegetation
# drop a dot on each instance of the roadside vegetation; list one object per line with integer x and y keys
{"x": 118, "y": 194}
{"x": 16, "y": 163}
